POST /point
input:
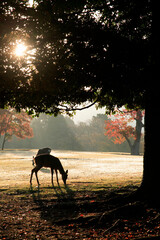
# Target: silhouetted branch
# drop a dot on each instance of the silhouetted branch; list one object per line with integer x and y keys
{"x": 67, "y": 109}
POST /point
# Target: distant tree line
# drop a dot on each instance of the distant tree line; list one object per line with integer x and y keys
{"x": 62, "y": 133}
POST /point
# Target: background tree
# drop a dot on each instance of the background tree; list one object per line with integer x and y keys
{"x": 91, "y": 136}
{"x": 56, "y": 133}
{"x": 62, "y": 133}
{"x": 119, "y": 128}
{"x": 13, "y": 123}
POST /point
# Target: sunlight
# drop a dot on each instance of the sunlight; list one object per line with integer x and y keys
{"x": 31, "y": 2}
{"x": 20, "y": 49}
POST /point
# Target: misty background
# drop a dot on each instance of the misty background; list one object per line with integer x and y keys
{"x": 83, "y": 132}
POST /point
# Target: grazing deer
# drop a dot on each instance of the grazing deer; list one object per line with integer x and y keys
{"x": 44, "y": 151}
{"x": 50, "y": 162}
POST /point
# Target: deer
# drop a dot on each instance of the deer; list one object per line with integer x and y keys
{"x": 42, "y": 151}
{"x": 51, "y": 162}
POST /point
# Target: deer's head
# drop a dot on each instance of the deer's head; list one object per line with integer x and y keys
{"x": 65, "y": 176}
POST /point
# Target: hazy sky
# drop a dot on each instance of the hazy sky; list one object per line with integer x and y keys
{"x": 87, "y": 114}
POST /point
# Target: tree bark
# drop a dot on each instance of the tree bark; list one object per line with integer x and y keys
{"x": 151, "y": 171}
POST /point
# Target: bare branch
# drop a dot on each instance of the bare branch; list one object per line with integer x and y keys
{"x": 65, "y": 108}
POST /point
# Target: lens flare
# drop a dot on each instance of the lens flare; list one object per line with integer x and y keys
{"x": 20, "y": 49}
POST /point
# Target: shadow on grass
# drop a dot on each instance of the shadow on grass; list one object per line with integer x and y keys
{"x": 113, "y": 209}
{"x": 55, "y": 204}
{"x": 93, "y": 212}
{"x": 3, "y": 189}
{"x": 62, "y": 205}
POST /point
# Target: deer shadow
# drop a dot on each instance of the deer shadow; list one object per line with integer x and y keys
{"x": 45, "y": 170}
{"x": 57, "y": 208}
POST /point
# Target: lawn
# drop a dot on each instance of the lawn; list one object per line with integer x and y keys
{"x": 98, "y": 202}
{"x": 96, "y": 167}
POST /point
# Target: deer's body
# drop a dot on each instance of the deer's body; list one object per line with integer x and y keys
{"x": 51, "y": 162}
{"x": 43, "y": 151}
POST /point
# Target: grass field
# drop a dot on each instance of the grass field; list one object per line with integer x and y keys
{"x": 84, "y": 167}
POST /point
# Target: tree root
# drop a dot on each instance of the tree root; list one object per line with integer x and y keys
{"x": 126, "y": 211}
{"x": 113, "y": 226}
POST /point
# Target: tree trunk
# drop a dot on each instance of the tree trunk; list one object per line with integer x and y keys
{"x": 4, "y": 140}
{"x": 135, "y": 148}
{"x": 136, "y": 145}
{"x": 151, "y": 171}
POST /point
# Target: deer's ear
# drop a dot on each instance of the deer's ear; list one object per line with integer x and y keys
{"x": 66, "y": 171}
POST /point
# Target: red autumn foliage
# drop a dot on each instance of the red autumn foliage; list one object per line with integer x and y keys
{"x": 119, "y": 126}
{"x": 13, "y": 123}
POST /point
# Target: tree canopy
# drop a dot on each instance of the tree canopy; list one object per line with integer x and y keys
{"x": 77, "y": 51}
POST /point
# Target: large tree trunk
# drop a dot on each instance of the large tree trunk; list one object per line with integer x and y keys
{"x": 151, "y": 171}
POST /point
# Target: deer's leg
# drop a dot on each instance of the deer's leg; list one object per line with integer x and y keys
{"x": 36, "y": 169}
{"x": 37, "y": 178}
{"x": 52, "y": 177}
{"x": 31, "y": 175}
{"x": 57, "y": 176}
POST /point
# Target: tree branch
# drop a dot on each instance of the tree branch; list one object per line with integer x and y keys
{"x": 76, "y": 109}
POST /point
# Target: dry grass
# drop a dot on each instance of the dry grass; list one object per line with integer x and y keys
{"x": 84, "y": 167}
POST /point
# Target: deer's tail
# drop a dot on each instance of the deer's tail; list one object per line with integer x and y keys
{"x": 33, "y": 161}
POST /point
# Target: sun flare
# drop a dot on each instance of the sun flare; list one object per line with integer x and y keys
{"x": 20, "y": 49}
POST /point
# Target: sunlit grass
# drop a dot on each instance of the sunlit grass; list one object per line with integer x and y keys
{"x": 87, "y": 170}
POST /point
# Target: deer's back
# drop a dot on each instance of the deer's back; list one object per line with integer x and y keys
{"x": 47, "y": 161}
